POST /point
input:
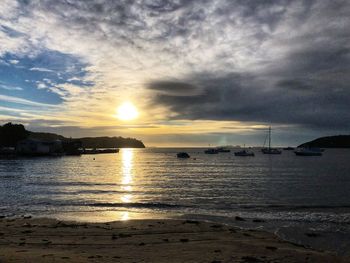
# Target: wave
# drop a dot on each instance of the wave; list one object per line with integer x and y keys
{"x": 294, "y": 207}
{"x": 135, "y": 205}
{"x": 110, "y": 205}
{"x": 72, "y": 184}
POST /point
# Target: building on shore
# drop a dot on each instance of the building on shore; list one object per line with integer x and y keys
{"x": 72, "y": 147}
{"x": 36, "y": 147}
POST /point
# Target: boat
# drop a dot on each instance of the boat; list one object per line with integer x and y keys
{"x": 223, "y": 150}
{"x": 308, "y": 152}
{"x": 270, "y": 150}
{"x": 244, "y": 153}
{"x": 211, "y": 151}
{"x": 99, "y": 151}
{"x": 183, "y": 155}
{"x": 288, "y": 148}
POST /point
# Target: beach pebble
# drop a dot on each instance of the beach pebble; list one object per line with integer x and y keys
{"x": 312, "y": 234}
{"x": 121, "y": 235}
{"x": 249, "y": 259}
{"x": 271, "y": 248}
{"x": 191, "y": 222}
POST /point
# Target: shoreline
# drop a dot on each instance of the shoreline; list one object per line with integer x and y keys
{"x": 145, "y": 240}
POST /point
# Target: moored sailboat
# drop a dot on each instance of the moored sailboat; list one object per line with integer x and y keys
{"x": 244, "y": 152}
{"x": 270, "y": 150}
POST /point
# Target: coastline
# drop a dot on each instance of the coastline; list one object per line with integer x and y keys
{"x": 151, "y": 240}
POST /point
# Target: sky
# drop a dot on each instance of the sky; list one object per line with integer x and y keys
{"x": 199, "y": 72}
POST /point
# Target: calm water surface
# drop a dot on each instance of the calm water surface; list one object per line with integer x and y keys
{"x": 292, "y": 195}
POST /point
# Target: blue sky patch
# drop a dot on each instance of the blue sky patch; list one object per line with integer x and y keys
{"x": 31, "y": 78}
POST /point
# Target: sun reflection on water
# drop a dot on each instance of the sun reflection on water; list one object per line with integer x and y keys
{"x": 127, "y": 163}
{"x": 125, "y": 216}
{"x": 127, "y": 175}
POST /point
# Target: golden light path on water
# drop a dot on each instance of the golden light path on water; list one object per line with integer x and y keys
{"x": 127, "y": 177}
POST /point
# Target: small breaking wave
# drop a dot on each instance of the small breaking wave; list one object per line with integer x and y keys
{"x": 135, "y": 205}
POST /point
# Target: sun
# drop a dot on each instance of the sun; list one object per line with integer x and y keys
{"x": 127, "y": 111}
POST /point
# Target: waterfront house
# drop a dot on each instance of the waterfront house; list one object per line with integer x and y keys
{"x": 39, "y": 147}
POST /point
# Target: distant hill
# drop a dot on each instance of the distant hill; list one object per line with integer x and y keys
{"x": 111, "y": 142}
{"x": 339, "y": 141}
{"x": 10, "y": 134}
{"x": 46, "y": 136}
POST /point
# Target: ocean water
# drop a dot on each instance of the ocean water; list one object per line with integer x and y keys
{"x": 305, "y": 200}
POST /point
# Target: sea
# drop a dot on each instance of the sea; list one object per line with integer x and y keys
{"x": 305, "y": 200}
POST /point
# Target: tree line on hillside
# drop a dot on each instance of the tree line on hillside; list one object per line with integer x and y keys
{"x": 11, "y": 134}
{"x": 338, "y": 141}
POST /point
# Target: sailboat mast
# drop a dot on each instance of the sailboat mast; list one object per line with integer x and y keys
{"x": 269, "y": 137}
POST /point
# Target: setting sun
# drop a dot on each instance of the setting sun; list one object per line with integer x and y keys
{"x": 127, "y": 111}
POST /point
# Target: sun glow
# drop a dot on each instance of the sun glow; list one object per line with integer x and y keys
{"x": 127, "y": 111}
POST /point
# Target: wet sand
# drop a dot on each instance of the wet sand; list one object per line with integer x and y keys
{"x": 49, "y": 240}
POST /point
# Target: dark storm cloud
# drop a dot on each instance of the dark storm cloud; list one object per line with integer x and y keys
{"x": 294, "y": 84}
{"x": 307, "y": 86}
{"x": 243, "y": 98}
{"x": 174, "y": 87}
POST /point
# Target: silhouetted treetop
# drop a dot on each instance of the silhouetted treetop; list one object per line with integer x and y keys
{"x": 339, "y": 141}
{"x": 10, "y": 134}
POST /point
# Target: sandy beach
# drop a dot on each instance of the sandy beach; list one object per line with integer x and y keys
{"x": 29, "y": 239}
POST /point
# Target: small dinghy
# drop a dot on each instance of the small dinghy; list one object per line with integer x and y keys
{"x": 211, "y": 151}
{"x": 244, "y": 153}
{"x": 183, "y": 155}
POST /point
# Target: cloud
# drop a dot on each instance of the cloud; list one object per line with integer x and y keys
{"x": 302, "y": 79}
{"x": 41, "y": 69}
{"x": 17, "y": 100}
{"x": 173, "y": 87}
{"x": 41, "y": 85}
{"x": 9, "y": 87}
{"x": 249, "y": 61}
{"x": 14, "y": 61}
{"x": 241, "y": 97}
